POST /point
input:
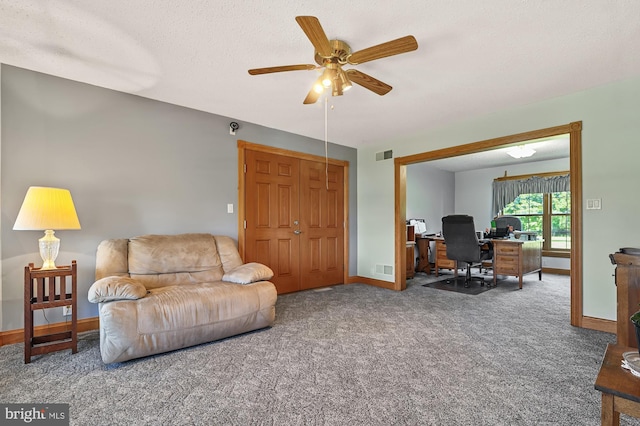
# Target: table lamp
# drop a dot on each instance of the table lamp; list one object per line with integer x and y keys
{"x": 46, "y": 209}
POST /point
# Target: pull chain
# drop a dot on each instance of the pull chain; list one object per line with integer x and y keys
{"x": 326, "y": 142}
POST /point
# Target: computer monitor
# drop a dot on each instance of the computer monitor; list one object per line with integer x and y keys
{"x": 499, "y": 233}
{"x": 502, "y": 232}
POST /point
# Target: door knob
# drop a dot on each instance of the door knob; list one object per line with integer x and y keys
{"x": 297, "y": 232}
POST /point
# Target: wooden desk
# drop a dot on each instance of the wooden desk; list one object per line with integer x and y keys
{"x": 411, "y": 259}
{"x": 620, "y": 389}
{"x": 510, "y": 257}
{"x": 424, "y": 247}
{"x": 442, "y": 261}
{"x": 516, "y": 258}
{"x": 410, "y": 252}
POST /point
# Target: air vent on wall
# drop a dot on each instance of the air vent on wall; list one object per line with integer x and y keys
{"x": 384, "y": 269}
{"x": 384, "y": 155}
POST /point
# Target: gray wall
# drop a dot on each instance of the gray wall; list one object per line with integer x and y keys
{"x": 133, "y": 165}
{"x": 430, "y": 195}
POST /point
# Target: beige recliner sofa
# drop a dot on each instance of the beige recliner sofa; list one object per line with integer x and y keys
{"x": 158, "y": 293}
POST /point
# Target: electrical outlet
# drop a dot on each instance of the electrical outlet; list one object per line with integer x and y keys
{"x": 66, "y": 311}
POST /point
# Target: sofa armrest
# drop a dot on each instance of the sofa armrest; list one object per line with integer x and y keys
{"x": 116, "y": 288}
{"x": 248, "y": 273}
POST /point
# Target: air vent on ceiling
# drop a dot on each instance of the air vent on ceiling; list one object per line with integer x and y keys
{"x": 384, "y": 155}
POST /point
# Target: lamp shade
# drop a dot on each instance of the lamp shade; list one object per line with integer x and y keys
{"x": 47, "y": 208}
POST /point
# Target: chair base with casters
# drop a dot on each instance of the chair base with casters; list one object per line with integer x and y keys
{"x": 468, "y": 277}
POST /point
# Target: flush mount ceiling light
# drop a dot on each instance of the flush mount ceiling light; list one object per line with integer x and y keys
{"x": 521, "y": 151}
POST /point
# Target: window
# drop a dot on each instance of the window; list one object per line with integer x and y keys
{"x": 548, "y": 214}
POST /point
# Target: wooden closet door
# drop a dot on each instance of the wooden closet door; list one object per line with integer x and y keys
{"x": 295, "y": 219}
{"x": 322, "y": 224}
{"x": 272, "y": 211}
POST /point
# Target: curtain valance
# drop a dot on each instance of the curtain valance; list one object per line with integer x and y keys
{"x": 507, "y": 190}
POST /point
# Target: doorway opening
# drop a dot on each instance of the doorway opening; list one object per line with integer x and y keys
{"x": 574, "y": 130}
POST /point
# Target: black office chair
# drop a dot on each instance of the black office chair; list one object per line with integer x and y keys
{"x": 462, "y": 243}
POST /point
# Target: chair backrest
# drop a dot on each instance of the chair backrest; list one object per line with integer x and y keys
{"x": 506, "y": 221}
{"x": 459, "y": 232}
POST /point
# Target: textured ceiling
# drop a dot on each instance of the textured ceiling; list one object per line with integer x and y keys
{"x": 474, "y": 57}
{"x": 553, "y": 148}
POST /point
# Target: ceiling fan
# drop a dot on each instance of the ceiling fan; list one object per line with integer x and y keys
{"x": 332, "y": 55}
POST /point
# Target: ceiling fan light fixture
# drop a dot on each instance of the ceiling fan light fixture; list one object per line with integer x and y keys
{"x": 333, "y": 54}
{"x": 521, "y": 151}
{"x": 344, "y": 80}
{"x": 327, "y": 77}
{"x": 336, "y": 89}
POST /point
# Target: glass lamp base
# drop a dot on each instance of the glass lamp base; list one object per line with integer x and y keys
{"x": 49, "y": 248}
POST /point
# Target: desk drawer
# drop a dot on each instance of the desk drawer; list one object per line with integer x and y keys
{"x": 506, "y": 265}
{"x": 445, "y": 263}
{"x": 441, "y": 254}
{"x": 442, "y": 259}
{"x": 441, "y": 250}
{"x": 508, "y": 249}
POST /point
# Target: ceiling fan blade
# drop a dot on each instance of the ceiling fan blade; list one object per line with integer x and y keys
{"x": 390, "y": 48}
{"x": 368, "y": 82}
{"x": 313, "y": 96}
{"x": 312, "y": 28}
{"x": 257, "y": 71}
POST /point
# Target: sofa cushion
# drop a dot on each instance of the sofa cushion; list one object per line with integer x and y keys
{"x": 161, "y": 260}
{"x": 228, "y": 252}
{"x": 116, "y": 288}
{"x": 248, "y": 273}
{"x": 111, "y": 258}
{"x": 175, "y": 317}
{"x": 184, "y": 308}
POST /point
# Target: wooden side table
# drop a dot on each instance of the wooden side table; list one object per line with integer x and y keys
{"x": 44, "y": 289}
{"x": 620, "y": 388}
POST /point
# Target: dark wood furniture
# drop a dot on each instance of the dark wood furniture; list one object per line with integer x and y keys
{"x": 45, "y": 289}
{"x": 620, "y": 388}
{"x": 628, "y": 295}
{"x": 424, "y": 248}
{"x": 411, "y": 252}
{"x": 516, "y": 258}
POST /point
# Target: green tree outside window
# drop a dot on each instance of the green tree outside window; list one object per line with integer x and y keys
{"x": 549, "y": 215}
